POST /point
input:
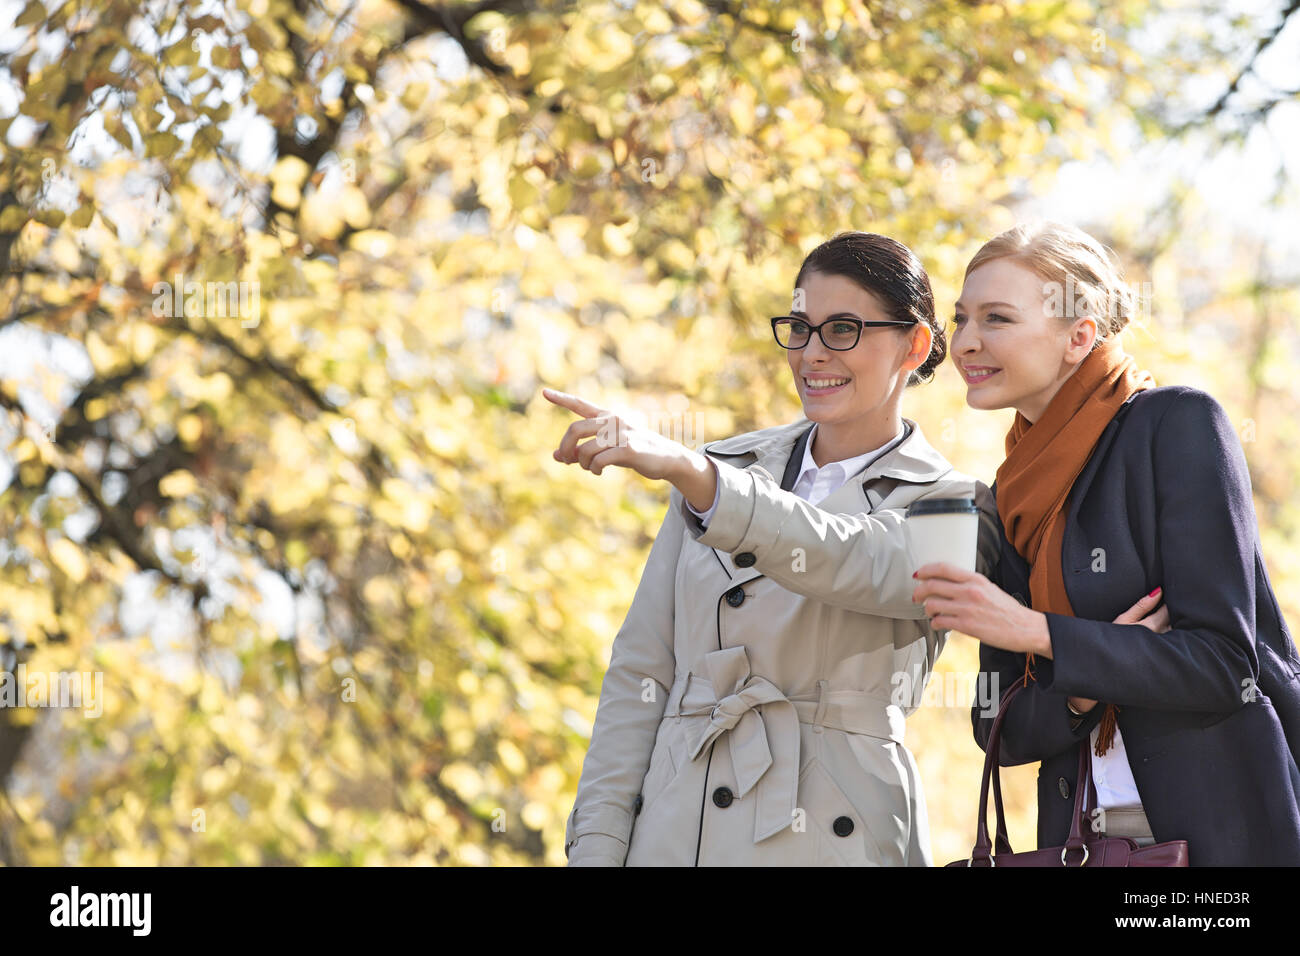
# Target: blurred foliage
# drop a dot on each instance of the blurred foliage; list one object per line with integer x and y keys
{"x": 346, "y": 607}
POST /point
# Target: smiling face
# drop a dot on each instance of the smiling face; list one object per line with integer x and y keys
{"x": 1011, "y": 351}
{"x": 864, "y": 383}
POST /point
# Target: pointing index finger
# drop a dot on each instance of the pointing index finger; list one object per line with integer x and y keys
{"x": 573, "y": 403}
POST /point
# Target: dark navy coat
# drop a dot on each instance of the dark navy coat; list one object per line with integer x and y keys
{"x": 1209, "y": 710}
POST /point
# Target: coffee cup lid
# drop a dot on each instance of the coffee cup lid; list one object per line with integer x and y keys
{"x": 940, "y": 506}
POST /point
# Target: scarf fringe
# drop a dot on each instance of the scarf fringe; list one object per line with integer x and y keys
{"x": 1029, "y": 674}
{"x": 1106, "y": 736}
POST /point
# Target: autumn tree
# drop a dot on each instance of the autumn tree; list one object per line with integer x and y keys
{"x": 280, "y": 282}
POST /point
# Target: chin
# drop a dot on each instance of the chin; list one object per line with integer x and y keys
{"x": 984, "y": 402}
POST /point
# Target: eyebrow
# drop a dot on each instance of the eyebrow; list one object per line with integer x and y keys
{"x": 837, "y": 315}
{"x": 989, "y": 305}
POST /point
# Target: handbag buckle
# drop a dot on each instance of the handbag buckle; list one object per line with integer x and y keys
{"x": 1065, "y": 849}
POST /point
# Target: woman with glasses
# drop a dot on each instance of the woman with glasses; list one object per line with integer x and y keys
{"x": 753, "y": 710}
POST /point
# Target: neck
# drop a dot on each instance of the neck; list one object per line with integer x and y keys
{"x": 1034, "y": 407}
{"x": 837, "y": 441}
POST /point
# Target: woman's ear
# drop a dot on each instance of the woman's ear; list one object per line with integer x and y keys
{"x": 922, "y": 342}
{"x": 1082, "y": 338}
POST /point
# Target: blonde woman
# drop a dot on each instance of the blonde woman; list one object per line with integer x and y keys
{"x": 1115, "y": 490}
{"x": 751, "y": 712}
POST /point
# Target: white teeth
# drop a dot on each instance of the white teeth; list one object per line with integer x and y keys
{"x": 825, "y": 382}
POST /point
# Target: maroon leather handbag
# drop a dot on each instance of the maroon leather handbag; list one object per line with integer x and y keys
{"x": 1084, "y": 847}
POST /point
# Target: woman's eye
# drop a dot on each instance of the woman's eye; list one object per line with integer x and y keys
{"x": 842, "y": 328}
{"x": 958, "y": 319}
{"x": 994, "y": 317}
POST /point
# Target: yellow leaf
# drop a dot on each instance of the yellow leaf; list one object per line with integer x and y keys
{"x": 81, "y": 218}
{"x": 512, "y": 758}
{"x": 50, "y": 216}
{"x": 356, "y": 208}
{"x": 12, "y": 218}
{"x": 160, "y": 144}
{"x": 291, "y": 170}
{"x": 178, "y": 484}
{"x": 558, "y": 199}
{"x": 70, "y": 559}
{"x": 522, "y": 192}
{"x": 32, "y": 14}
{"x": 614, "y": 240}
{"x": 285, "y": 194}
{"x": 414, "y": 95}
{"x": 190, "y": 427}
{"x": 23, "y": 450}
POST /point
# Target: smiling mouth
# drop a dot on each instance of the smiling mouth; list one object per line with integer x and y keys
{"x": 823, "y": 384}
{"x": 974, "y": 378}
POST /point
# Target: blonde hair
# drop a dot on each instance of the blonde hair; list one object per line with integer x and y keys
{"x": 1078, "y": 271}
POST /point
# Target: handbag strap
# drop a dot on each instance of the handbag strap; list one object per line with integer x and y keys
{"x": 1080, "y": 827}
{"x": 1002, "y": 843}
{"x": 1081, "y": 837}
{"x": 1085, "y": 796}
{"x": 984, "y": 846}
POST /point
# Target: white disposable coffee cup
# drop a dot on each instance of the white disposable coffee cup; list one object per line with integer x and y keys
{"x": 943, "y": 529}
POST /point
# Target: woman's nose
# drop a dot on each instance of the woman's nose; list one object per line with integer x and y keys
{"x": 815, "y": 349}
{"x": 963, "y": 341}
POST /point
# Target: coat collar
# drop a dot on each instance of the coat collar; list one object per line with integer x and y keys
{"x": 913, "y": 459}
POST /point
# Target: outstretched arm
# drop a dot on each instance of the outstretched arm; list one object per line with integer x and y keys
{"x": 861, "y": 562}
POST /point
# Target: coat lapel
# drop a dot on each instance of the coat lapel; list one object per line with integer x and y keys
{"x": 1079, "y": 490}
{"x": 769, "y": 451}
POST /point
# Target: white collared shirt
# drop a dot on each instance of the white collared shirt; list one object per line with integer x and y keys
{"x": 1111, "y": 774}
{"x": 814, "y": 484}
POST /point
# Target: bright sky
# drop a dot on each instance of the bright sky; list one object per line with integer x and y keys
{"x": 1234, "y": 185}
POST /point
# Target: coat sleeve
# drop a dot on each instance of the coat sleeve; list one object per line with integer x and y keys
{"x": 861, "y": 562}
{"x": 632, "y": 700}
{"x": 1038, "y": 725}
{"x": 1206, "y": 536}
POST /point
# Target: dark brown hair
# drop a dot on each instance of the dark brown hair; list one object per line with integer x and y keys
{"x": 893, "y": 274}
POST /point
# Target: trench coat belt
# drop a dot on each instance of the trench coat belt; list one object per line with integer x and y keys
{"x": 762, "y": 727}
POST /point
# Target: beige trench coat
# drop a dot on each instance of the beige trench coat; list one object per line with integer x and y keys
{"x": 753, "y": 710}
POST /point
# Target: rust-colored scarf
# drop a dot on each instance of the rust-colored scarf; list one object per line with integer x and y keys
{"x": 1043, "y": 460}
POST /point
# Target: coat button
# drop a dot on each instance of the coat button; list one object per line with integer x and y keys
{"x": 636, "y": 805}
{"x": 842, "y": 826}
{"x": 745, "y": 559}
{"x": 1064, "y": 787}
{"x": 736, "y": 596}
{"x": 722, "y": 797}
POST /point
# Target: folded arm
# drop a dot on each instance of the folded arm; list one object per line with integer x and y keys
{"x": 1206, "y": 540}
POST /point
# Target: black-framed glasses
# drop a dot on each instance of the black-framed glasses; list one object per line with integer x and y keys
{"x": 838, "y": 333}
